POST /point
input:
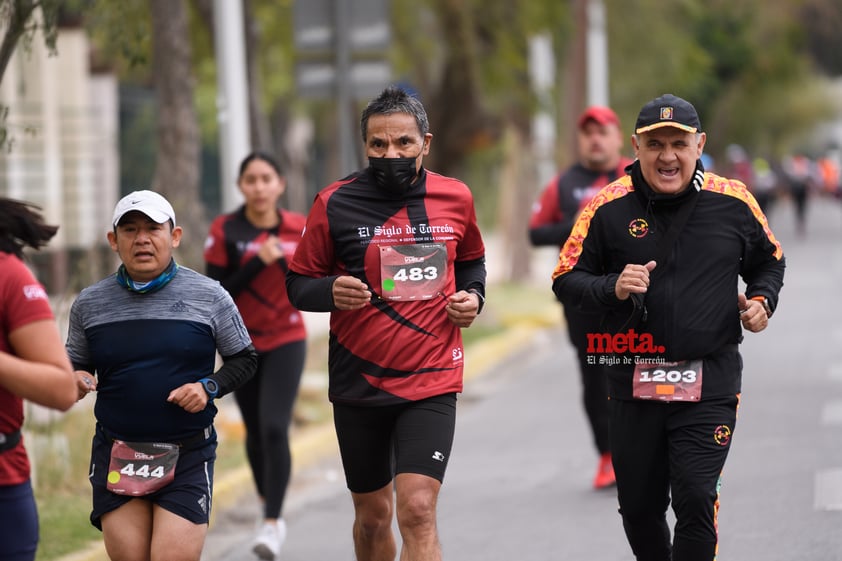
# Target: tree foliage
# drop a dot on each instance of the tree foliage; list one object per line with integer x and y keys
{"x": 743, "y": 65}
{"x": 469, "y": 61}
{"x": 19, "y": 21}
{"x": 821, "y": 21}
{"x": 121, "y": 32}
{"x": 750, "y": 67}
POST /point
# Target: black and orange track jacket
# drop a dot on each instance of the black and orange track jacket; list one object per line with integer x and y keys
{"x": 690, "y": 309}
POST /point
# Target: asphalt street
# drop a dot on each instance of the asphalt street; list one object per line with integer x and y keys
{"x": 518, "y": 483}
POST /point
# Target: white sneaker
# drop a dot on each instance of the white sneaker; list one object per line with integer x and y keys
{"x": 270, "y": 538}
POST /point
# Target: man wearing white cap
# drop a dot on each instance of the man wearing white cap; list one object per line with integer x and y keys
{"x": 660, "y": 252}
{"x": 146, "y": 339}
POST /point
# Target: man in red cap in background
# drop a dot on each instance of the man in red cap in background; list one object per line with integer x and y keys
{"x": 600, "y": 141}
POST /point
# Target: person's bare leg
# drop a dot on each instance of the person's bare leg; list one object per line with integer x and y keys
{"x": 175, "y": 538}
{"x": 417, "y": 497}
{"x": 373, "y": 538}
{"x": 127, "y": 531}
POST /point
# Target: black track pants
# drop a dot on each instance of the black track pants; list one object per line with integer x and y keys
{"x": 594, "y": 379}
{"x": 662, "y": 450}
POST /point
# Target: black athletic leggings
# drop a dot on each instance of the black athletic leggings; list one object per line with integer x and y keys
{"x": 594, "y": 378}
{"x": 266, "y": 403}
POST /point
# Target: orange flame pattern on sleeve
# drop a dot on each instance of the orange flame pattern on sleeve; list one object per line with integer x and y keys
{"x": 738, "y": 190}
{"x": 572, "y": 248}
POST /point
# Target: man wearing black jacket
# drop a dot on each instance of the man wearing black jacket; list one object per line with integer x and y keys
{"x": 600, "y": 143}
{"x": 660, "y": 252}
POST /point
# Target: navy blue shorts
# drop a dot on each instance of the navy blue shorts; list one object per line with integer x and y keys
{"x": 188, "y": 495}
{"x": 18, "y": 523}
{"x": 376, "y": 443}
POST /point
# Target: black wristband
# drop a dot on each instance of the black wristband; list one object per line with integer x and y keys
{"x": 481, "y": 299}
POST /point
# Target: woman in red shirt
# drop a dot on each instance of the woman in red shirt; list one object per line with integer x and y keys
{"x": 33, "y": 366}
{"x": 247, "y": 251}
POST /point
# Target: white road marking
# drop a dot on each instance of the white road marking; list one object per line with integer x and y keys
{"x": 828, "y": 489}
{"x": 832, "y": 413}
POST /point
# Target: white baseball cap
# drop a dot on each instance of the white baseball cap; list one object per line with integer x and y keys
{"x": 149, "y": 203}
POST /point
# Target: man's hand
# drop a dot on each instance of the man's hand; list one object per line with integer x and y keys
{"x": 634, "y": 279}
{"x": 752, "y": 314}
{"x": 85, "y": 383}
{"x": 350, "y": 293}
{"x": 191, "y": 397}
{"x": 462, "y": 308}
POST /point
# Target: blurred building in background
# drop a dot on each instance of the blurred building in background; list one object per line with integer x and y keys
{"x": 62, "y": 152}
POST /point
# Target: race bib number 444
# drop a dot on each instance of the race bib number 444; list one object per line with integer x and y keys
{"x": 413, "y": 271}
{"x": 141, "y": 468}
{"x": 671, "y": 381}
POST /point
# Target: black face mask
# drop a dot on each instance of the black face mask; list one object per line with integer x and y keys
{"x": 394, "y": 175}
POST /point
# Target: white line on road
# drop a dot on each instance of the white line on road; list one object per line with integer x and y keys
{"x": 832, "y": 413}
{"x": 828, "y": 490}
{"x": 835, "y": 372}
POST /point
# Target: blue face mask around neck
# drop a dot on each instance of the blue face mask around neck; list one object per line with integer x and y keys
{"x": 159, "y": 282}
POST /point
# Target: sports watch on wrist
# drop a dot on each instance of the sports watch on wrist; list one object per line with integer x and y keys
{"x": 763, "y": 300}
{"x": 211, "y": 387}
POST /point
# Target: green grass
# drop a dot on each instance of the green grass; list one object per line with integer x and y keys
{"x": 59, "y": 452}
{"x": 64, "y": 524}
{"x": 511, "y": 303}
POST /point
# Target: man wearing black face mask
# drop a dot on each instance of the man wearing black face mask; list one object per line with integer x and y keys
{"x": 394, "y": 253}
{"x": 394, "y": 175}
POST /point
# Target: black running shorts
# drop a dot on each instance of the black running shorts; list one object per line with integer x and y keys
{"x": 188, "y": 495}
{"x": 376, "y": 443}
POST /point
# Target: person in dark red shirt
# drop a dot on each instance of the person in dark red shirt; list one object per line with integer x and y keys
{"x": 33, "y": 366}
{"x": 248, "y": 251}
{"x": 395, "y": 254}
{"x": 600, "y": 142}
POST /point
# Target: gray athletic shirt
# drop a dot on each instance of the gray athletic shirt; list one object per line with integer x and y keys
{"x": 142, "y": 346}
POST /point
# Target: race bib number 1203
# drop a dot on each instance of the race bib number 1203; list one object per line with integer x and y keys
{"x": 671, "y": 381}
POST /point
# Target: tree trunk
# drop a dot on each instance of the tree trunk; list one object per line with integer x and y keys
{"x": 261, "y": 133}
{"x": 573, "y": 95}
{"x": 177, "y": 168}
{"x": 516, "y": 175}
{"x": 457, "y": 120}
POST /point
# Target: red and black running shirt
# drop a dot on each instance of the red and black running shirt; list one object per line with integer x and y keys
{"x": 258, "y": 290}
{"x": 555, "y": 211}
{"x": 392, "y": 351}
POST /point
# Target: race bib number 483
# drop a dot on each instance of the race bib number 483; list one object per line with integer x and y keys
{"x": 672, "y": 381}
{"x": 413, "y": 271}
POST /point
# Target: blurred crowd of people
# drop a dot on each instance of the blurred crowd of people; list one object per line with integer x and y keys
{"x": 797, "y": 176}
